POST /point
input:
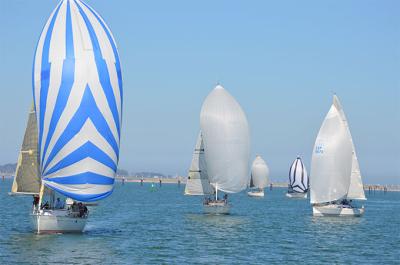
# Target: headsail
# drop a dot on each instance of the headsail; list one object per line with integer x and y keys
{"x": 356, "y": 189}
{"x": 198, "y": 183}
{"x": 251, "y": 182}
{"x": 27, "y": 174}
{"x": 331, "y": 160}
{"x": 259, "y": 173}
{"x": 298, "y": 177}
{"x": 226, "y": 139}
{"x": 78, "y": 99}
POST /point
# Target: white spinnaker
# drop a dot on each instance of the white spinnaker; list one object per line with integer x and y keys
{"x": 259, "y": 173}
{"x": 298, "y": 177}
{"x": 198, "y": 183}
{"x": 331, "y": 160}
{"x": 226, "y": 139}
{"x": 356, "y": 189}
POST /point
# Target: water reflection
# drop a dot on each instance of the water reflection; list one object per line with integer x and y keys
{"x": 222, "y": 220}
{"x": 339, "y": 220}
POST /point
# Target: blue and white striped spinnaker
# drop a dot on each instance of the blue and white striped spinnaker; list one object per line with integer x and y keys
{"x": 77, "y": 88}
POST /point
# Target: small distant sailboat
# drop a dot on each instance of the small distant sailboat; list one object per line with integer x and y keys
{"x": 78, "y": 102}
{"x": 336, "y": 177}
{"x": 221, "y": 158}
{"x": 298, "y": 180}
{"x": 259, "y": 177}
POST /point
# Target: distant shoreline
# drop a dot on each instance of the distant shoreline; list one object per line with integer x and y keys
{"x": 367, "y": 187}
{"x": 182, "y": 180}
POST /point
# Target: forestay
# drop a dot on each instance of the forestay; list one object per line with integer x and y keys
{"x": 259, "y": 173}
{"x": 198, "y": 183}
{"x": 331, "y": 160}
{"x": 298, "y": 177}
{"x": 27, "y": 174}
{"x": 226, "y": 139}
{"x": 78, "y": 98}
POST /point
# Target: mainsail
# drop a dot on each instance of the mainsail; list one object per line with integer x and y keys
{"x": 331, "y": 160}
{"x": 78, "y": 99}
{"x": 259, "y": 173}
{"x": 298, "y": 177}
{"x": 198, "y": 183}
{"x": 225, "y": 132}
{"x": 356, "y": 189}
{"x": 27, "y": 174}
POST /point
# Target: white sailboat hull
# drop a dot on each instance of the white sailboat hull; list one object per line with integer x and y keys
{"x": 216, "y": 208}
{"x": 57, "y": 221}
{"x": 337, "y": 210}
{"x": 256, "y": 193}
{"x": 296, "y": 195}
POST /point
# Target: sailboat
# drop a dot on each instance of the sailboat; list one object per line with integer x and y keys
{"x": 226, "y": 140}
{"x": 77, "y": 87}
{"x": 298, "y": 180}
{"x": 259, "y": 177}
{"x": 336, "y": 178}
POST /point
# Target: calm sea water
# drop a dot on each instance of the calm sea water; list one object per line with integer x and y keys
{"x": 137, "y": 226}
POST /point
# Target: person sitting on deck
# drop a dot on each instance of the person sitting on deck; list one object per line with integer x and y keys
{"x": 45, "y": 206}
{"x": 59, "y": 204}
{"x": 226, "y": 197}
{"x": 81, "y": 210}
{"x": 345, "y": 202}
{"x": 85, "y": 210}
{"x": 74, "y": 207}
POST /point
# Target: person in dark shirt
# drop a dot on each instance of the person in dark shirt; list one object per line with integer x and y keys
{"x": 35, "y": 201}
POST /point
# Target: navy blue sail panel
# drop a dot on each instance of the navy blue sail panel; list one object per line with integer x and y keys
{"x": 77, "y": 86}
{"x": 298, "y": 177}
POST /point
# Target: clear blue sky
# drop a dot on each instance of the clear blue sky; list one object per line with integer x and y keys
{"x": 280, "y": 59}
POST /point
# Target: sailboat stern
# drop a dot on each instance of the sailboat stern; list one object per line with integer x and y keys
{"x": 57, "y": 221}
{"x": 256, "y": 193}
{"x": 297, "y": 195}
{"x": 216, "y": 207}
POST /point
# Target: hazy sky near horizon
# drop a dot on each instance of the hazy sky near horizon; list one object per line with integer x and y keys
{"x": 281, "y": 60}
